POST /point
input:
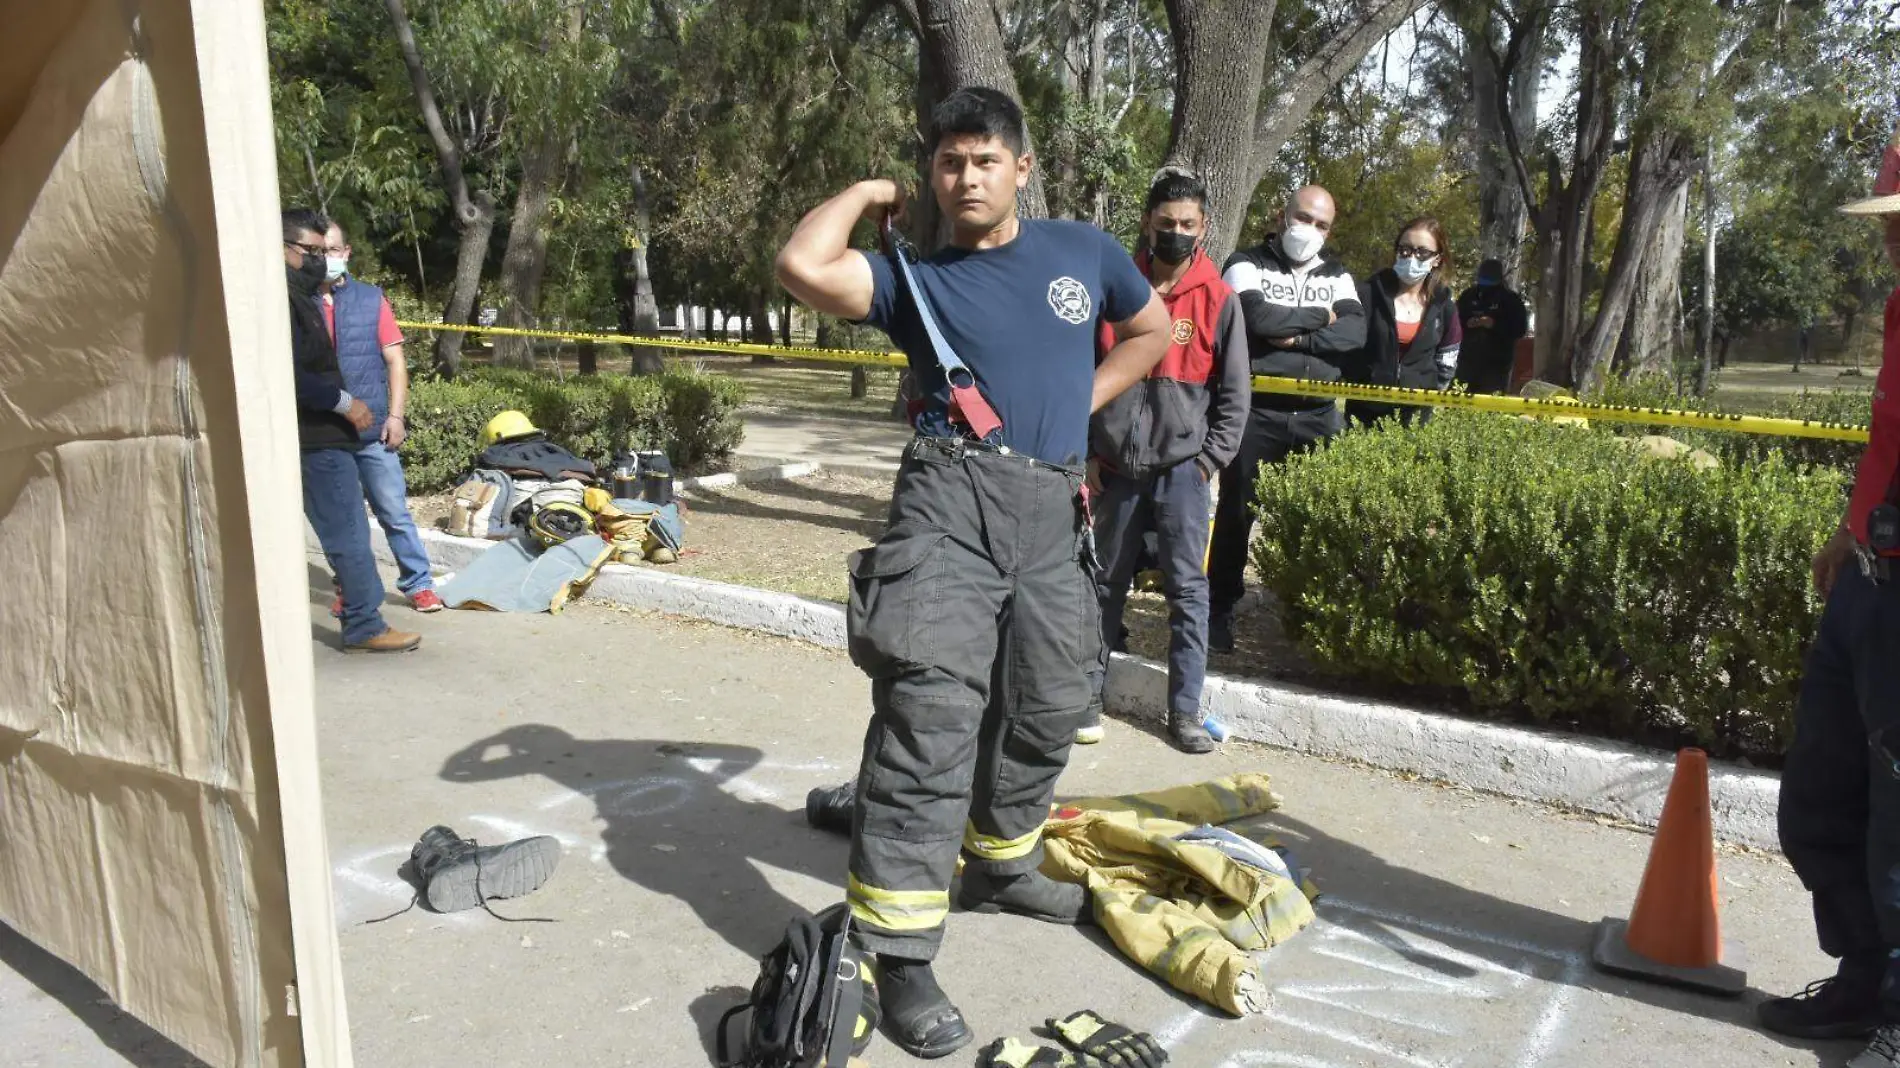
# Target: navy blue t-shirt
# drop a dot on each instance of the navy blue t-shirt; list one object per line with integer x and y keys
{"x": 1024, "y": 317}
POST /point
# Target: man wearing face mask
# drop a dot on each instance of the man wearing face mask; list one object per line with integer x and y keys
{"x": 330, "y": 423}
{"x": 1156, "y": 449}
{"x": 1495, "y": 319}
{"x": 1302, "y": 314}
{"x": 369, "y": 353}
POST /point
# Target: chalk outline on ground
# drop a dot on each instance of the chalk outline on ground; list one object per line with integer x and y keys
{"x": 1608, "y": 778}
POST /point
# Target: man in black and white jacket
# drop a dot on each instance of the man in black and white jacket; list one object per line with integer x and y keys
{"x": 1303, "y": 314}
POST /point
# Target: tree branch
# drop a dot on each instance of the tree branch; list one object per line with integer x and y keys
{"x": 1506, "y": 67}
{"x": 445, "y": 151}
{"x": 669, "y": 21}
{"x": 1294, "y": 98}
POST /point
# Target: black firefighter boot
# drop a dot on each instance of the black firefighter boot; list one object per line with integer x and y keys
{"x": 828, "y": 808}
{"x": 457, "y": 874}
{"x": 1030, "y": 894}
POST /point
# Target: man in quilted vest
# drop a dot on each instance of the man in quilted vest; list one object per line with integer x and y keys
{"x": 369, "y": 352}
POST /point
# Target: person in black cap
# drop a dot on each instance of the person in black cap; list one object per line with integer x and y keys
{"x": 1495, "y": 320}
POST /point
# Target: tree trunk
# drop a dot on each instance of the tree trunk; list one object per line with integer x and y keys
{"x": 633, "y": 285}
{"x": 587, "y": 353}
{"x": 785, "y": 323}
{"x": 1652, "y": 335}
{"x": 1705, "y": 339}
{"x": 1228, "y": 124}
{"x": 474, "y": 215}
{"x": 473, "y": 235}
{"x": 1498, "y": 95}
{"x": 525, "y": 259}
{"x": 758, "y": 323}
{"x": 1658, "y": 184}
{"x": 964, "y": 43}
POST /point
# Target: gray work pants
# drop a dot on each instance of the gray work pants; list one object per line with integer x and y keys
{"x": 975, "y": 618}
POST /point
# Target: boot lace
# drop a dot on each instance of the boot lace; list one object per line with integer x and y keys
{"x": 480, "y": 898}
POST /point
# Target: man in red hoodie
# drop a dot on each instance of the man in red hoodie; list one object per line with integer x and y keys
{"x": 1840, "y": 787}
{"x": 1156, "y": 449}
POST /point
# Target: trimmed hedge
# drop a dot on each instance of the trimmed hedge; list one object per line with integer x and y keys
{"x": 692, "y": 415}
{"x": 1524, "y": 569}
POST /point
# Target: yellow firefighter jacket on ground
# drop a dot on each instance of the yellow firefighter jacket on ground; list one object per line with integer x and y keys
{"x": 506, "y": 426}
{"x": 1185, "y": 911}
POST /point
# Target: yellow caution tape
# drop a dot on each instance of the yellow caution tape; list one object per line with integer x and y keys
{"x": 1554, "y": 407}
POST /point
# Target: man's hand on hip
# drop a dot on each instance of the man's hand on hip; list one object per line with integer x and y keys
{"x": 1836, "y": 554}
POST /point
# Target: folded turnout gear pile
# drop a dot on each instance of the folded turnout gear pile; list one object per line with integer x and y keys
{"x": 555, "y": 527}
{"x": 1185, "y": 899}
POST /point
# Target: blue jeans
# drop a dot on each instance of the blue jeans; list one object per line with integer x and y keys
{"x": 333, "y": 502}
{"x": 388, "y": 494}
{"x": 1840, "y": 786}
{"x": 1174, "y": 504}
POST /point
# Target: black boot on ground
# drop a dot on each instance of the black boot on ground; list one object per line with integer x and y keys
{"x": 1220, "y": 633}
{"x": 1031, "y": 894}
{"x": 457, "y": 874}
{"x": 1844, "y": 1005}
{"x": 1188, "y": 735}
{"x": 828, "y": 808}
{"x": 918, "y": 1015}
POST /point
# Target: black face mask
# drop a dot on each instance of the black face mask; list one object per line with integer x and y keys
{"x": 308, "y": 278}
{"x": 1173, "y": 246}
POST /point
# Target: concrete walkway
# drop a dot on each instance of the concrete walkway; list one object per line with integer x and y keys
{"x": 672, "y": 760}
{"x": 849, "y": 441}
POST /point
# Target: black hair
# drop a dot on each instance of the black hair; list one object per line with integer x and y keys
{"x": 1174, "y": 184}
{"x": 297, "y": 220}
{"x": 1491, "y": 269}
{"x": 979, "y": 111}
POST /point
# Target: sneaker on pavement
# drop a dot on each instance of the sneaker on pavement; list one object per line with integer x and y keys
{"x": 1882, "y": 1052}
{"x": 1091, "y": 732}
{"x": 1188, "y": 735}
{"x": 426, "y": 602}
{"x": 389, "y": 641}
{"x": 1220, "y": 633}
{"x": 1835, "y": 1007}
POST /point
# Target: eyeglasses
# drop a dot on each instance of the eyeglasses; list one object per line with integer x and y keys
{"x": 1410, "y": 253}
{"x": 308, "y": 250}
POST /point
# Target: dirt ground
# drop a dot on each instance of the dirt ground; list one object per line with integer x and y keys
{"x": 794, "y": 536}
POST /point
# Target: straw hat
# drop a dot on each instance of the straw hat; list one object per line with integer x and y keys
{"x": 1886, "y": 198}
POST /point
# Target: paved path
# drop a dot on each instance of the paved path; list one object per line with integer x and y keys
{"x": 672, "y": 760}
{"x": 851, "y": 440}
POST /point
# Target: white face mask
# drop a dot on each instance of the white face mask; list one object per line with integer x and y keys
{"x": 335, "y": 267}
{"x": 1301, "y": 242}
{"x": 1411, "y": 271}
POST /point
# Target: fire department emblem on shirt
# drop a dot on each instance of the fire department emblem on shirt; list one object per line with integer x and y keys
{"x": 1070, "y": 299}
{"x": 1183, "y": 331}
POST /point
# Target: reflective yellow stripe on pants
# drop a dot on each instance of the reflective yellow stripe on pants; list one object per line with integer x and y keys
{"x": 897, "y": 910}
{"x": 990, "y": 847}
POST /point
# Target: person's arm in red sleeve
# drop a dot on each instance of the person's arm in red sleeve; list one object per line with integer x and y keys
{"x": 389, "y": 336}
{"x": 1879, "y": 465}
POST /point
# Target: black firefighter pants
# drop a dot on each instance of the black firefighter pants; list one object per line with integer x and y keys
{"x": 1273, "y": 433}
{"x": 975, "y": 618}
{"x": 1840, "y": 787}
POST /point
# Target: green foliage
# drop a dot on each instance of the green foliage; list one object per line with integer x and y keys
{"x": 1553, "y": 573}
{"x": 691, "y": 415}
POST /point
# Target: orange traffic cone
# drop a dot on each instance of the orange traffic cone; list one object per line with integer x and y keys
{"x": 1674, "y": 934}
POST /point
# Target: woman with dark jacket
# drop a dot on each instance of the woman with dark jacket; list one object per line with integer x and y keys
{"x": 1412, "y": 325}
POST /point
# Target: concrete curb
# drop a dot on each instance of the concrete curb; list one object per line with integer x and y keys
{"x": 1608, "y": 778}
{"x": 783, "y": 472}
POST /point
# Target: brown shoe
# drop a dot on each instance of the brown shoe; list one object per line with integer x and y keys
{"x": 389, "y": 641}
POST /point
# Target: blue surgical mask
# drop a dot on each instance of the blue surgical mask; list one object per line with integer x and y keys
{"x": 335, "y": 267}
{"x": 1411, "y": 271}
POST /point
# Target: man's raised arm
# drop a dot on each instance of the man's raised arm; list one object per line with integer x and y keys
{"x": 818, "y": 265}
{"x": 1144, "y": 341}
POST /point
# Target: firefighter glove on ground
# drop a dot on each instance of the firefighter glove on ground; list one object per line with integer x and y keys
{"x": 1009, "y": 1053}
{"x": 1110, "y": 1043}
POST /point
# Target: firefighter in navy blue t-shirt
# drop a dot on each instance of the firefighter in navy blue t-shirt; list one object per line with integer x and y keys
{"x": 975, "y": 613}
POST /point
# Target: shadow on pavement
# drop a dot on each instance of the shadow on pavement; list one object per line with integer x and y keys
{"x": 122, "y": 1034}
{"x": 669, "y": 826}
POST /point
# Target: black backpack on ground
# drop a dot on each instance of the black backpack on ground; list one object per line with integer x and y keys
{"x": 813, "y": 1005}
